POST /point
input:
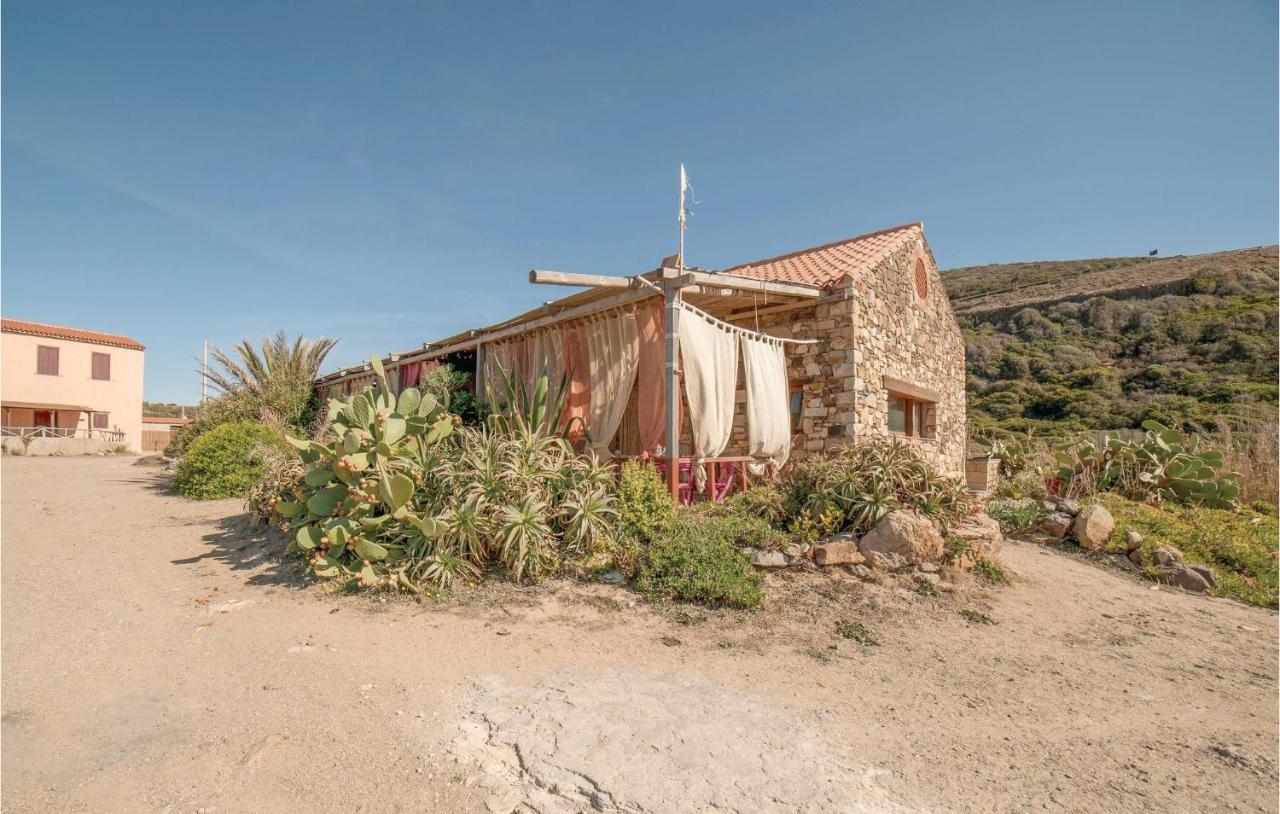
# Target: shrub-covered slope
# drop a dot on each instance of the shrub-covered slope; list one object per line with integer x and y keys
{"x": 1096, "y": 344}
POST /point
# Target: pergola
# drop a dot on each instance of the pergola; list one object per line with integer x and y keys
{"x": 725, "y": 297}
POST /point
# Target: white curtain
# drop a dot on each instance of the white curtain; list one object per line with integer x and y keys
{"x": 499, "y": 359}
{"x": 613, "y": 346}
{"x": 546, "y": 355}
{"x": 768, "y": 412}
{"x": 710, "y": 359}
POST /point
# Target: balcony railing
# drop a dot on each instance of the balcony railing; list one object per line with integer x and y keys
{"x": 61, "y": 432}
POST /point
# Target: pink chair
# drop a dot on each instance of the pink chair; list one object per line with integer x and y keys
{"x": 724, "y": 480}
{"x": 684, "y": 488}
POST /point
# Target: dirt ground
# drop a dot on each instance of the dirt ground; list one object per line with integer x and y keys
{"x": 159, "y": 656}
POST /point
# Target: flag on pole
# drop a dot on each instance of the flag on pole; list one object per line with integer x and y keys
{"x": 684, "y": 211}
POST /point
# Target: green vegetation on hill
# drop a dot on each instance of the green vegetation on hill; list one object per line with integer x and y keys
{"x": 1199, "y": 349}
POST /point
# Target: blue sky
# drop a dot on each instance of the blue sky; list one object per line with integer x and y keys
{"x": 388, "y": 172}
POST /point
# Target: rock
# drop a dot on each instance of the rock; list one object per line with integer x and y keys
{"x": 1123, "y": 562}
{"x": 929, "y": 567}
{"x": 837, "y": 554}
{"x": 1182, "y": 575}
{"x": 796, "y": 549}
{"x": 1056, "y": 525}
{"x": 1132, "y": 541}
{"x": 614, "y": 577}
{"x": 767, "y": 559}
{"x": 1092, "y": 527}
{"x": 1049, "y": 506}
{"x": 1204, "y": 571}
{"x": 860, "y": 571}
{"x": 923, "y": 577}
{"x": 982, "y": 536}
{"x": 1040, "y": 538}
{"x": 901, "y": 538}
{"x": 1166, "y": 555}
{"x": 1135, "y": 556}
{"x": 1066, "y": 505}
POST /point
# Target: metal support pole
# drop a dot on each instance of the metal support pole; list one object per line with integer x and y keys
{"x": 671, "y": 297}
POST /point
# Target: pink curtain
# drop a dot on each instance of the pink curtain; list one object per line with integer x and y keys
{"x": 578, "y": 364}
{"x": 652, "y": 405}
{"x": 410, "y": 375}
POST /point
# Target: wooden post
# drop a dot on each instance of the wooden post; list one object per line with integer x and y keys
{"x": 671, "y": 297}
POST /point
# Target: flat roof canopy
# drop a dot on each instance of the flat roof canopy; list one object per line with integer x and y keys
{"x": 37, "y": 405}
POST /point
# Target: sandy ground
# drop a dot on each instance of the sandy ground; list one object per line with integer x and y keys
{"x": 158, "y": 656}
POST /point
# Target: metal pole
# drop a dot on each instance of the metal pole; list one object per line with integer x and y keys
{"x": 684, "y": 182}
{"x": 671, "y": 296}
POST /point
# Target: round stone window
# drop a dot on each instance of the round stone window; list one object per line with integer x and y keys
{"x": 922, "y": 279}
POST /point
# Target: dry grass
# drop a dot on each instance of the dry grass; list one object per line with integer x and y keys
{"x": 1253, "y": 451}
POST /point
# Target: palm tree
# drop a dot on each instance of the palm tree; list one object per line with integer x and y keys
{"x": 248, "y": 370}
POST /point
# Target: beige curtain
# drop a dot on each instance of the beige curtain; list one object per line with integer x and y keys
{"x": 546, "y": 355}
{"x": 768, "y": 413}
{"x": 710, "y": 359}
{"x": 613, "y": 347}
{"x": 499, "y": 359}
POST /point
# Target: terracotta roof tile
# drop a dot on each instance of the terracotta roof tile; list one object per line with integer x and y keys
{"x": 823, "y": 265}
{"x": 19, "y": 326}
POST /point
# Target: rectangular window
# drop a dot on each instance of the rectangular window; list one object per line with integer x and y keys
{"x": 912, "y": 417}
{"x": 797, "y": 409}
{"x": 100, "y": 420}
{"x": 102, "y": 367}
{"x": 46, "y": 360}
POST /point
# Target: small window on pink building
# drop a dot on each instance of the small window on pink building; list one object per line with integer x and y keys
{"x": 46, "y": 360}
{"x": 102, "y": 367}
{"x": 100, "y": 420}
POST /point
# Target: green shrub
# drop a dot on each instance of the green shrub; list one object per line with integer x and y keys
{"x": 1017, "y": 515}
{"x": 733, "y": 524}
{"x": 765, "y": 501}
{"x": 694, "y": 559}
{"x": 644, "y": 504}
{"x": 990, "y": 572}
{"x": 225, "y": 462}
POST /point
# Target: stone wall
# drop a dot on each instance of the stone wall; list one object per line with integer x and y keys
{"x": 870, "y": 328}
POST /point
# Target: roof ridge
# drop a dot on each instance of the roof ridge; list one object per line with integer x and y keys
{"x": 831, "y": 245}
{"x": 68, "y": 332}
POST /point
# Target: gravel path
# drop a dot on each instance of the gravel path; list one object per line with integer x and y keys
{"x": 157, "y": 656}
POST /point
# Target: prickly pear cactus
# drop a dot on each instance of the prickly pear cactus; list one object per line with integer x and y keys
{"x": 354, "y": 514}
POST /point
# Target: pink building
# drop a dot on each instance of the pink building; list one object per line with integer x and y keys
{"x": 69, "y": 383}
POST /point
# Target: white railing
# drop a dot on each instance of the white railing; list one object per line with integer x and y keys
{"x": 61, "y": 432}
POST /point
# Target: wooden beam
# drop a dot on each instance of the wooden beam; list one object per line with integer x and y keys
{"x": 683, "y": 277}
{"x": 672, "y": 376}
{"x": 584, "y": 280}
{"x": 769, "y": 309}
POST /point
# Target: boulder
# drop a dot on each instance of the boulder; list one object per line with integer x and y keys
{"x": 1204, "y": 571}
{"x": 1056, "y": 525}
{"x": 982, "y": 536}
{"x": 1124, "y": 563}
{"x": 1065, "y": 505}
{"x": 1132, "y": 541}
{"x": 837, "y": 554}
{"x": 1092, "y": 527}
{"x": 929, "y": 567}
{"x": 1166, "y": 555}
{"x": 860, "y": 571}
{"x": 901, "y": 538}
{"x": 1183, "y": 576}
{"x": 767, "y": 559}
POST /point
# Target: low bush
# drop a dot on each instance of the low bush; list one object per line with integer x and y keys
{"x": 225, "y": 462}
{"x": 1239, "y": 546}
{"x": 644, "y": 504}
{"x": 697, "y": 559}
{"x": 765, "y": 501}
{"x": 1017, "y": 515}
{"x": 735, "y": 525}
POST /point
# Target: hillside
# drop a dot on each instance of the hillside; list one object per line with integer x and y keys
{"x": 1110, "y": 342}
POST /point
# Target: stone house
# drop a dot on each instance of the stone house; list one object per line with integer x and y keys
{"x": 878, "y": 352}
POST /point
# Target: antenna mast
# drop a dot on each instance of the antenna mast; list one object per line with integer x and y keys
{"x": 684, "y": 184}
